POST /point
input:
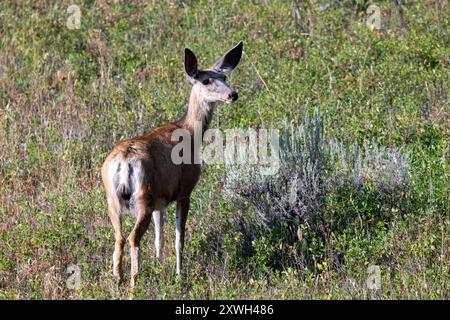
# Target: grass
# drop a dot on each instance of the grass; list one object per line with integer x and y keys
{"x": 68, "y": 96}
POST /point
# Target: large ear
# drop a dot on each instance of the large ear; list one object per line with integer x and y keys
{"x": 190, "y": 63}
{"x": 229, "y": 60}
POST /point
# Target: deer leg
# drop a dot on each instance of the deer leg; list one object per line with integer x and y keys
{"x": 114, "y": 215}
{"x": 181, "y": 217}
{"x": 158, "y": 220}
{"x": 134, "y": 239}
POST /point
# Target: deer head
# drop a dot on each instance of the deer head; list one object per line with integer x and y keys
{"x": 211, "y": 84}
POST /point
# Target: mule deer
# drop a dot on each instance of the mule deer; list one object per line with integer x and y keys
{"x": 140, "y": 176}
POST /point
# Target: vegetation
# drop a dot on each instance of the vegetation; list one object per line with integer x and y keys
{"x": 372, "y": 191}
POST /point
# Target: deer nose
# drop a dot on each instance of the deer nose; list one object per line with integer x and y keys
{"x": 233, "y": 96}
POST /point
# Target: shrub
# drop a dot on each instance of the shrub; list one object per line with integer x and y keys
{"x": 312, "y": 171}
{"x": 371, "y": 167}
{"x": 296, "y": 192}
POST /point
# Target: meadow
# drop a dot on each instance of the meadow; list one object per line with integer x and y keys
{"x": 69, "y": 93}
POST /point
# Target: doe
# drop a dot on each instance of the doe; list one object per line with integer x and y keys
{"x": 139, "y": 174}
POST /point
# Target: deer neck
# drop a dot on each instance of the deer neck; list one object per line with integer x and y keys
{"x": 199, "y": 112}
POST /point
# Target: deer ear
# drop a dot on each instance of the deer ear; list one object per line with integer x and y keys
{"x": 190, "y": 63}
{"x": 229, "y": 60}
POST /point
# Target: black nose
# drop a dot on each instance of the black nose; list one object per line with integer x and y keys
{"x": 233, "y": 96}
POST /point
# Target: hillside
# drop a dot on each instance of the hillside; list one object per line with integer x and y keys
{"x": 69, "y": 93}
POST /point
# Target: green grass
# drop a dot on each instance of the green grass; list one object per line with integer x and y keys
{"x": 68, "y": 96}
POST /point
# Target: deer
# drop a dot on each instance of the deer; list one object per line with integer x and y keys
{"x": 140, "y": 177}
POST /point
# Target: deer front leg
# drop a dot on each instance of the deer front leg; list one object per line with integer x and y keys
{"x": 158, "y": 220}
{"x": 182, "y": 213}
{"x": 134, "y": 239}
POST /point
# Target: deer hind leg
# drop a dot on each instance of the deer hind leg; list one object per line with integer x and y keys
{"x": 114, "y": 215}
{"x": 158, "y": 220}
{"x": 181, "y": 217}
{"x": 142, "y": 222}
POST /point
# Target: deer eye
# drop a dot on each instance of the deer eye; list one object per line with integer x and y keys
{"x": 206, "y": 81}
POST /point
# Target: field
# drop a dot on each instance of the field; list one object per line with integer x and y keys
{"x": 69, "y": 93}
